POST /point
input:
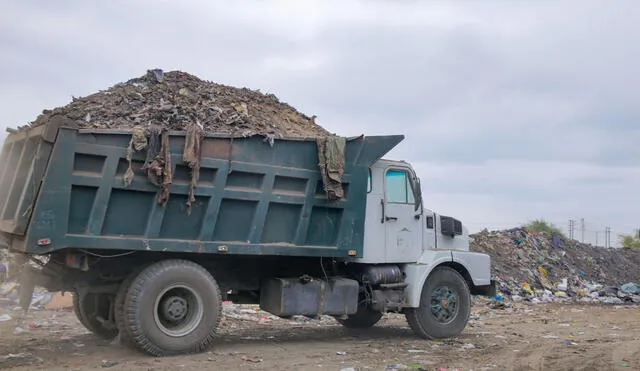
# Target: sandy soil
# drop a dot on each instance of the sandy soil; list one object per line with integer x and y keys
{"x": 541, "y": 337}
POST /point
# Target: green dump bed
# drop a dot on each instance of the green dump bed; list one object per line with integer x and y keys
{"x": 65, "y": 188}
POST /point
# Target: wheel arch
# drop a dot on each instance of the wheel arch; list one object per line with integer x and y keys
{"x": 473, "y": 267}
{"x": 416, "y": 274}
{"x": 464, "y": 272}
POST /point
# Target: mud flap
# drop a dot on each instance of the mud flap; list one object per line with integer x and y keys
{"x": 27, "y": 285}
{"x": 487, "y": 290}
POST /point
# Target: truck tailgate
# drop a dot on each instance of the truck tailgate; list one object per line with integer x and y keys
{"x": 23, "y": 161}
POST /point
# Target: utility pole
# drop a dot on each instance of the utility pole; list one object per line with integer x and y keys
{"x": 607, "y": 237}
{"x": 596, "y": 238}
{"x": 582, "y": 230}
{"x": 571, "y": 225}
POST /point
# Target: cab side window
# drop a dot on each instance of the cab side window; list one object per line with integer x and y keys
{"x": 398, "y": 187}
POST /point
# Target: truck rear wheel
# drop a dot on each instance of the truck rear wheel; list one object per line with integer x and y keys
{"x": 445, "y": 306}
{"x": 89, "y": 307}
{"x": 365, "y": 317}
{"x": 172, "y": 307}
{"x": 125, "y": 337}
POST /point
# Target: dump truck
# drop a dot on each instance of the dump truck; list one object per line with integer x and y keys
{"x": 151, "y": 244}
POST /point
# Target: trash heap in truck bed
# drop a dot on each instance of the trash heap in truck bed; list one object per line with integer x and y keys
{"x": 177, "y": 99}
{"x": 152, "y": 105}
{"x": 539, "y": 266}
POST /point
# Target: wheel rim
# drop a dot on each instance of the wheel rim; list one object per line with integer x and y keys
{"x": 178, "y": 310}
{"x": 444, "y": 304}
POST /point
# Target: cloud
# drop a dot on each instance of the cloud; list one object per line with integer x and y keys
{"x": 511, "y": 110}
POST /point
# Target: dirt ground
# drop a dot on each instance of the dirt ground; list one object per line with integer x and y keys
{"x": 540, "y": 337}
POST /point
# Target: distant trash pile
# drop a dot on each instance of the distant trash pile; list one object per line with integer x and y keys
{"x": 540, "y": 267}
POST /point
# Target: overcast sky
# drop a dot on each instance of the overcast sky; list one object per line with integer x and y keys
{"x": 512, "y": 110}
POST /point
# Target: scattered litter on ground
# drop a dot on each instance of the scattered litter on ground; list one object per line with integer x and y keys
{"x": 19, "y": 359}
{"x": 251, "y": 359}
{"x": 107, "y": 364}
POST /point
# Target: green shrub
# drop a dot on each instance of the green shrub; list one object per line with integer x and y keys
{"x": 629, "y": 241}
{"x": 541, "y": 225}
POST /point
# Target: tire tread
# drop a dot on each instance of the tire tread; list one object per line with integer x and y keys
{"x": 131, "y": 302}
{"x": 413, "y": 314}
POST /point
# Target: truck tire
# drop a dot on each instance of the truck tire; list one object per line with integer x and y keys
{"x": 125, "y": 337}
{"x": 172, "y": 307}
{"x": 365, "y": 317}
{"x": 88, "y": 307}
{"x": 436, "y": 317}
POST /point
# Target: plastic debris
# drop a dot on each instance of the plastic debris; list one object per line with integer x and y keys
{"x": 107, "y": 364}
{"x": 19, "y": 330}
{"x": 630, "y": 288}
{"x": 563, "y": 286}
{"x": 625, "y": 363}
{"x": 398, "y": 366}
{"x": 252, "y": 359}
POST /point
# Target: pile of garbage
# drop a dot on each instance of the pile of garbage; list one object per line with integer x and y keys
{"x": 176, "y": 99}
{"x": 151, "y": 105}
{"x": 10, "y": 291}
{"x": 547, "y": 267}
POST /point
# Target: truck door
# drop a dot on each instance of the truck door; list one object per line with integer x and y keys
{"x": 402, "y": 222}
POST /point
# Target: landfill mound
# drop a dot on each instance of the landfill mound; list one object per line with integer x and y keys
{"x": 176, "y": 99}
{"x": 540, "y": 265}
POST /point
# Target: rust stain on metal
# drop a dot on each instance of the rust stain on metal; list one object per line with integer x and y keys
{"x": 216, "y": 148}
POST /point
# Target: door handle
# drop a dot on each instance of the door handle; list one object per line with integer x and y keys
{"x": 388, "y": 218}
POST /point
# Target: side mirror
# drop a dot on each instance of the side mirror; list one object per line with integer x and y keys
{"x": 417, "y": 191}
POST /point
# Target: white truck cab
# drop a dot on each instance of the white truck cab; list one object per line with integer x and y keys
{"x": 429, "y": 251}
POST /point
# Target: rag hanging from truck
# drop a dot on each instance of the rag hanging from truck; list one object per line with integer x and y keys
{"x": 191, "y": 158}
{"x": 138, "y": 143}
{"x": 331, "y": 155}
{"x": 160, "y": 172}
{"x": 158, "y": 168}
{"x": 157, "y": 163}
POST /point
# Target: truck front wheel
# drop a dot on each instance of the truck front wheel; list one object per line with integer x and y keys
{"x": 172, "y": 307}
{"x": 445, "y": 305}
